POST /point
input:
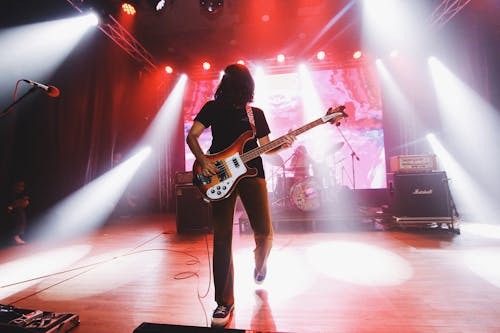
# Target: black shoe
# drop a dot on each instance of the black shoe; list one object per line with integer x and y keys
{"x": 221, "y": 315}
{"x": 259, "y": 278}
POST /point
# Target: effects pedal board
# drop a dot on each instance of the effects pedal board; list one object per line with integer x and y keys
{"x": 36, "y": 320}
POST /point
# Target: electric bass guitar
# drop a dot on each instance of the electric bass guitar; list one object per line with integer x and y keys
{"x": 231, "y": 162}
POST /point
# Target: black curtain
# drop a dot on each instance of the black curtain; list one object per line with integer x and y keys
{"x": 57, "y": 145}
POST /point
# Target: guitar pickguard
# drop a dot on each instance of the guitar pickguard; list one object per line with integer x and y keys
{"x": 230, "y": 169}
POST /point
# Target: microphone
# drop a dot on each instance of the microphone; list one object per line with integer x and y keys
{"x": 49, "y": 90}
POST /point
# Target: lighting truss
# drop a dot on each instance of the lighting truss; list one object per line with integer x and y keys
{"x": 121, "y": 37}
{"x": 446, "y": 10}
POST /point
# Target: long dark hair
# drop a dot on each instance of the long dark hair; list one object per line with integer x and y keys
{"x": 236, "y": 87}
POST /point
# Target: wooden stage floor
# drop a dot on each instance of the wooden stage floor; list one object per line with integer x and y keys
{"x": 139, "y": 270}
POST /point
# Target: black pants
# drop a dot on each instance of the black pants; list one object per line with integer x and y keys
{"x": 253, "y": 195}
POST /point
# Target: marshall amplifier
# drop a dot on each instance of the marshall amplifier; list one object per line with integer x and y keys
{"x": 413, "y": 163}
{"x": 419, "y": 194}
{"x": 193, "y": 214}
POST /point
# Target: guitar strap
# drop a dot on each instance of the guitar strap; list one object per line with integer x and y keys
{"x": 251, "y": 119}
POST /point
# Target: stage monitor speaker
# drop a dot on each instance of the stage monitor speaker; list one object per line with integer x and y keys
{"x": 419, "y": 194}
{"x": 193, "y": 214}
{"x": 166, "y": 328}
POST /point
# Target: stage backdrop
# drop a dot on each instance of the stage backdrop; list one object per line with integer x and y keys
{"x": 293, "y": 99}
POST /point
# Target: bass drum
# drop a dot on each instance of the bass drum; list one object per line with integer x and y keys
{"x": 306, "y": 195}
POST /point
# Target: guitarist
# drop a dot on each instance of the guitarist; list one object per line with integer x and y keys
{"x": 229, "y": 115}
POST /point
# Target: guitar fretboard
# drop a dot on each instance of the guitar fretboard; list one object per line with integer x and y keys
{"x": 256, "y": 152}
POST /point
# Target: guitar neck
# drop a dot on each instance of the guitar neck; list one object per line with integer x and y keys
{"x": 256, "y": 152}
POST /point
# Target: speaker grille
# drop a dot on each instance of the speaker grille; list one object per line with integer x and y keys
{"x": 419, "y": 194}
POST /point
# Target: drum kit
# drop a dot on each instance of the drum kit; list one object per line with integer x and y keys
{"x": 305, "y": 188}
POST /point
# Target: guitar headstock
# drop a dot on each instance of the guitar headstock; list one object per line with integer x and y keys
{"x": 334, "y": 115}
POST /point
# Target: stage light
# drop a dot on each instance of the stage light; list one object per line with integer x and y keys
{"x": 128, "y": 8}
{"x": 280, "y": 58}
{"x": 206, "y": 66}
{"x": 211, "y": 6}
{"x": 241, "y": 62}
{"x": 321, "y": 55}
{"x": 169, "y": 70}
{"x": 159, "y": 5}
{"x": 357, "y": 54}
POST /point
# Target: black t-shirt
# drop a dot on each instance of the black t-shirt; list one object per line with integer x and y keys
{"x": 228, "y": 123}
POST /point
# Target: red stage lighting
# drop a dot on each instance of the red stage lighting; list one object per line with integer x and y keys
{"x": 169, "y": 70}
{"x": 357, "y": 54}
{"x": 241, "y": 62}
{"x": 206, "y": 66}
{"x": 280, "y": 57}
{"x": 128, "y": 8}
{"x": 321, "y": 55}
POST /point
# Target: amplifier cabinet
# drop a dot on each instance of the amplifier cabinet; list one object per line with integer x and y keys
{"x": 419, "y": 194}
{"x": 193, "y": 214}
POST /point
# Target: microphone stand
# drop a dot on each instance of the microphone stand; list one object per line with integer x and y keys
{"x": 9, "y": 108}
{"x": 353, "y": 156}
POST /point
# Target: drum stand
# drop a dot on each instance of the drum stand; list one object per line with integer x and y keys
{"x": 284, "y": 198}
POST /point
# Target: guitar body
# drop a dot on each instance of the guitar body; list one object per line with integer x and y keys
{"x": 231, "y": 161}
{"x": 231, "y": 170}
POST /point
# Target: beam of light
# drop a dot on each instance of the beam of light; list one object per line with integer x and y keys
{"x": 330, "y": 24}
{"x": 167, "y": 118}
{"x": 470, "y": 127}
{"x": 37, "y": 266}
{"x": 261, "y": 96}
{"x": 394, "y": 95}
{"x": 287, "y": 276}
{"x": 113, "y": 270}
{"x": 394, "y": 92}
{"x": 466, "y": 193}
{"x": 390, "y": 23}
{"x": 87, "y": 208}
{"x": 484, "y": 263}
{"x": 35, "y": 51}
{"x": 313, "y": 109}
{"x": 481, "y": 229}
{"x": 359, "y": 263}
{"x": 309, "y": 94}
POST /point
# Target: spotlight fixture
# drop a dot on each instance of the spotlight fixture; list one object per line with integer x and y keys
{"x": 357, "y": 54}
{"x": 321, "y": 55}
{"x": 211, "y": 6}
{"x": 128, "y": 8}
{"x": 206, "y": 65}
{"x": 159, "y": 5}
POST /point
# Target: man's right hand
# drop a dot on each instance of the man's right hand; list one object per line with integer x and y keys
{"x": 208, "y": 167}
